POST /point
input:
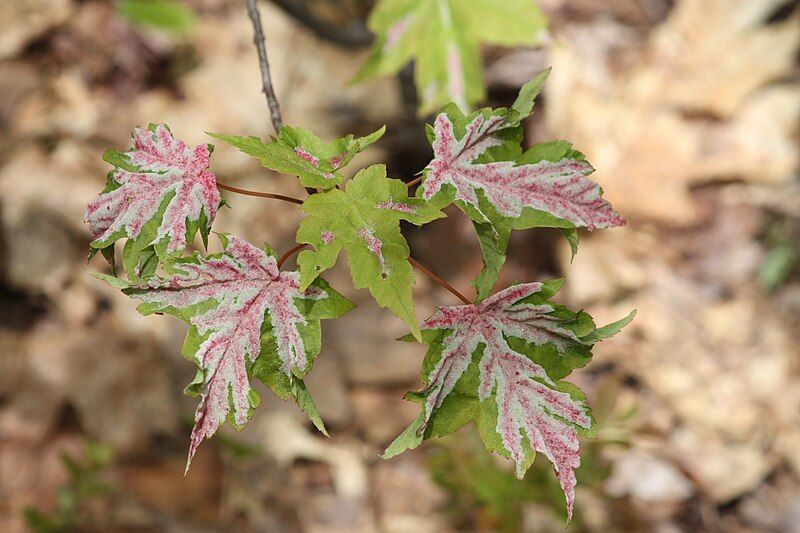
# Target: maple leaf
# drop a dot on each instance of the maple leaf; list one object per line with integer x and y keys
{"x": 442, "y": 37}
{"x": 300, "y": 153}
{"x": 479, "y": 164}
{"x": 499, "y": 362}
{"x": 364, "y": 219}
{"x": 159, "y": 194}
{"x": 247, "y": 319}
{"x": 559, "y": 188}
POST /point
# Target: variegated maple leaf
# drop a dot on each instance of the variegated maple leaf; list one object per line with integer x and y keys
{"x": 478, "y": 164}
{"x": 160, "y": 193}
{"x": 364, "y": 219}
{"x": 499, "y": 362}
{"x": 559, "y": 188}
{"x": 247, "y": 319}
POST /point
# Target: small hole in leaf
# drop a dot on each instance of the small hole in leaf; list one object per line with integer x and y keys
{"x": 384, "y": 275}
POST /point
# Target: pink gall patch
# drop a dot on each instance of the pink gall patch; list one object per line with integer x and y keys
{"x": 397, "y": 206}
{"x": 307, "y": 156}
{"x": 337, "y": 160}
{"x": 328, "y": 236}
{"x": 375, "y": 246}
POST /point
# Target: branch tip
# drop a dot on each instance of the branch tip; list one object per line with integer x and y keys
{"x": 266, "y": 77}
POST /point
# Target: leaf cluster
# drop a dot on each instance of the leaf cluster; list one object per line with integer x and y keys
{"x": 499, "y": 362}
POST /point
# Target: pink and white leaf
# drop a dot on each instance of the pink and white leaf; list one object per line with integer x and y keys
{"x": 559, "y": 188}
{"x": 528, "y": 404}
{"x": 487, "y": 324}
{"x": 244, "y": 285}
{"x": 167, "y": 167}
{"x": 524, "y": 403}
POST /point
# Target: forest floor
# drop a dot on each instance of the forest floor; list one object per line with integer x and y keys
{"x": 689, "y": 111}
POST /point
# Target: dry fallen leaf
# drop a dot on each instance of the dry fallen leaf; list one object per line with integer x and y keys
{"x": 23, "y": 20}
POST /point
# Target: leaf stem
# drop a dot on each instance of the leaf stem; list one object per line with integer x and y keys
{"x": 413, "y": 182}
{"x": 259, "y": 194}
{"x": 266, "y": 78}
{"x": 422, "y": 268}
{"x": 438, "y": 280}
{"x": 293, "y": 250}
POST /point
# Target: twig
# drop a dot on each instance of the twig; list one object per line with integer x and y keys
{"x": 259, "y": 194}
{"x": 293, "y": 250}
{"x": 354, "y": 35}
{"x": 409, "y": 96}
{"x": 438, "y": 280}
{"x": 266, "y": 77}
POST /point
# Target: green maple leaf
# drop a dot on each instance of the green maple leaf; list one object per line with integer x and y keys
{"x": 300, "y": 153}
{"x": 443, "y": 37}
{"x": 364, "y": 219}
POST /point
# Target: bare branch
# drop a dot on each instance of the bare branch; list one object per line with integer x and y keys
{"x": 266, "y": 78}
{"x": 354, "y": 35}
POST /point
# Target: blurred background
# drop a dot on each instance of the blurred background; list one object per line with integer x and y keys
{"x": 689, "y": 110}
